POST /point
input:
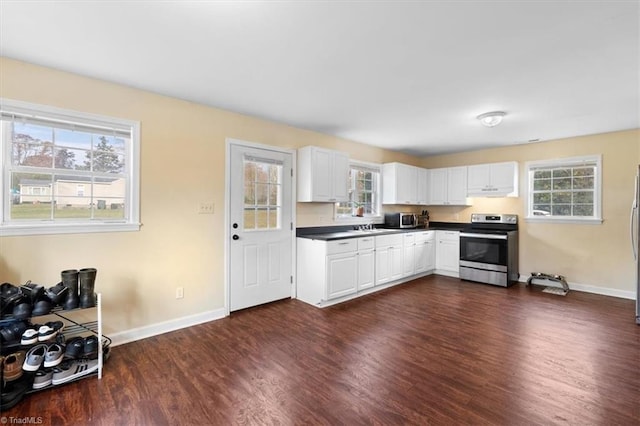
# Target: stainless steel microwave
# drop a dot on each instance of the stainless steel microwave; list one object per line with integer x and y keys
{"x": 400, "y": 220}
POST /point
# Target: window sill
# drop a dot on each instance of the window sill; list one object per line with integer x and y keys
{"x": 356, "y": 220}
{"x": 569, "y": 220}
{"x": 75, "y": 228}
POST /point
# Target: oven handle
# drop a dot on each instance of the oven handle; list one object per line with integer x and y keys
{"x": 489, "y": 236}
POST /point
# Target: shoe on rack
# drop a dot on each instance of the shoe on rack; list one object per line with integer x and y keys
{"x": 34, "y": 358}
{"x": 49, "y": 331}
{"x": 10, "y": 296}
{"x": 41, "y": 307}
{"x": 70, "y": 280}
{"x": 71, "y": 370}
{"x": 42, "y": 378}
{"x": 30, "y": 336}
{"x": 12, "y": 366}
{"x": 12, "y": 333}
{"x": 53, "y": 356}
{"x": 74, "y": 348}
{"x": 32, "y": 291}
{"x": 15, "y": 391}
{"x": 86, "y": 281}
{"x": 22, "y": 310}
{"x": 57, "y": 293}
{"x": 90, "y": 347}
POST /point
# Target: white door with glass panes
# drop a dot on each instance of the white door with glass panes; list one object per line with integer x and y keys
{"x": 260, "y": 226}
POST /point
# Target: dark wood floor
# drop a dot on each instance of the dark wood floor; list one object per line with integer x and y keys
{"x": 433, "y": 351}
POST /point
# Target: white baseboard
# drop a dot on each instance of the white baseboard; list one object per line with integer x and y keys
{"x": 605, "y": 291}
{"x": 164, "y": 327}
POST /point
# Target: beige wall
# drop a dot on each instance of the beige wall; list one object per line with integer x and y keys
{"x": 182, "y": 160}
{"x": 593, "y": 255}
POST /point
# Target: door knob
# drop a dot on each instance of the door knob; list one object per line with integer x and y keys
{"x": 235, "y": 237}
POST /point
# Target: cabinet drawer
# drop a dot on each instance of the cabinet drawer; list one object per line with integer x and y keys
{"x": 409, "y": 239}
{"x": 449, "y": 235}
{"x": 424, "y": 236}
{"x": 342, "y": 246}
{"x": 365, "y": 243}
{"x": 388, "y": 240}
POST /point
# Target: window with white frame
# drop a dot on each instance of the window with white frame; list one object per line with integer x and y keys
{"x": 566, "y": 189}
{"x": 364, "y": 192}
{"x": 66, "y": 171}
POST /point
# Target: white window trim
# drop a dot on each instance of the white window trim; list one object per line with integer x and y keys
{"x": 14, "y": 228}
{"x": 596, "y": 220}
{"x": 379, "y": 218}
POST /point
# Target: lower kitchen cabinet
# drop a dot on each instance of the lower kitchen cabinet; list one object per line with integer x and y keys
{"x": 448, "y": 253}
{"x": 342, "y": 274}
{"x": 366, "y": 263}
{"x": 425, "y": 251}
{"x": 332, "y": 271}
{"x": 329, "y": 270}
{"x": 389, "y": 258}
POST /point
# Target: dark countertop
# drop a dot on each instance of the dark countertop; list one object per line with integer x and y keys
{"x": 329, "y": 233}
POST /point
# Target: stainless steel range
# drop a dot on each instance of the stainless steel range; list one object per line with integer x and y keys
{"x": 489, "y": 249}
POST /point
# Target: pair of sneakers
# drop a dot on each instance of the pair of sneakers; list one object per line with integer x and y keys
{"x": 68, "y": 371}
{"x": 41, "y": 333}
{"x": 43, "y": 355}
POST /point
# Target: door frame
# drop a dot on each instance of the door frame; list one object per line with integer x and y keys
{"x": 229, "y": 142}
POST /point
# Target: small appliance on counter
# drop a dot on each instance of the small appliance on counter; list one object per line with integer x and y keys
{"x": 400, "y": 220}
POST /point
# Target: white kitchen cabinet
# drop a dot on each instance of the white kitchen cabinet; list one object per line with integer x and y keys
{"x": 342, "y": 274}
{"x": 448, "y": 253}
{"x": 493, "y": 180}
{"x": 366, "y": 263}
{"x": 409, "y": 255}
{"x": 425, "y": 251}
{"x": 323, "y": 175}
{"x": 404, "y": 184}
{"x": 423, "y": 186}
{"x": 329, "y": 270}
{"x": 448, "y": 186}
{"x": 389, "y": 258}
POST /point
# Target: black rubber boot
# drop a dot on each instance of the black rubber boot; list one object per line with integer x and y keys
{"x": 70, "y": 280}
{"x": 87, "y": 277}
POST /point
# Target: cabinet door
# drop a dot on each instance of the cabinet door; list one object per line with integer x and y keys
{"x": 340, "y": 177}
{"x": 366, "y": 269}
{"x": 478, "y": 178}
{"x": 448, "y": 251}
{"x": 438, "y": 186}
{"x": 407, "y": 184}
{"x": 422, "y": 196}
{"x": 321, "y": 175}
{"x": 383, "y": 265}
{"x": 342, "y": 275}
{"x": 408, "y": 260}
{"x": 396, "y": 255}
{"x": 420, "y": 257}
{"x": 457, "y": 186}
{"x": 504, "y": 178}
{"x": 430, "y": 255}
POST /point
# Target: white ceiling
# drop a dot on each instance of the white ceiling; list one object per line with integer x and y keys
{"x": 405, "y": 75}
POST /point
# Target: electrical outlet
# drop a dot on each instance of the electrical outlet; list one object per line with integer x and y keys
{"x": 179, "y": 292}
{"x": 205, "y": 207}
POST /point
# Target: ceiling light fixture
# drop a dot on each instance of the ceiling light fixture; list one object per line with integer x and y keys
{"x": 491, "y": 119}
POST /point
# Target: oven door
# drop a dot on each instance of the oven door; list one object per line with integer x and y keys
{"x": 484, "y": 251}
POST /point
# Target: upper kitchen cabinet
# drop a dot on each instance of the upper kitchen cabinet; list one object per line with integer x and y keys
{"x": 448, "y": 186}
{"x": 404, "y": 184}
{"x": 323, "y": 175}
{"x": 493, "y": 180}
